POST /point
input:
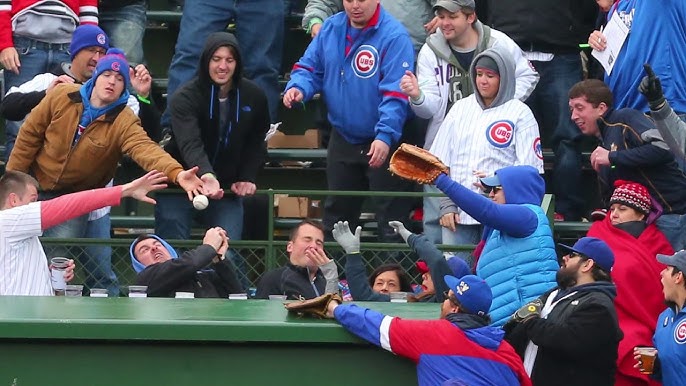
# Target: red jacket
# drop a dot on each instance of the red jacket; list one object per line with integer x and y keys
{"x": 639, "y": 302}
{"x": 85, "y": 10}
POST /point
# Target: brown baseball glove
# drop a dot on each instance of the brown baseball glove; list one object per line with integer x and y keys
{"x": 416, "y": 164}
{"x": 315, "y": 307}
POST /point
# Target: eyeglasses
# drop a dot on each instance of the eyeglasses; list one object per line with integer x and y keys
{"x": 494, "y": 189}
{"x": 452, "y": 299}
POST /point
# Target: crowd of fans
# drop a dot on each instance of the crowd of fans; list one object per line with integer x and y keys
{"x": 481, "y": 78}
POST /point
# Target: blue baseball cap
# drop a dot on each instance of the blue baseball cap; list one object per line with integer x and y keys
{"x": 491, "y": 181}
{"x": 676, "y": 260}
{"x": 596, "y": 249}
{"x": 472, "y": 292}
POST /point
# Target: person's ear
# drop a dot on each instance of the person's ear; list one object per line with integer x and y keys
{"x": 602, "y": 108}
{"x": 289, "y": 247}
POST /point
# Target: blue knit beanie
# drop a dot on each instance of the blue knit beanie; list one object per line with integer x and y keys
{"x": 88, "y": 35}
{"x": 114, "y": 60}
{"x": 137, "y": 265}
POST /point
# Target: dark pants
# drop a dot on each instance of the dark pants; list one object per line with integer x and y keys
{"x": 550, "y": 104}
{"x": 347, "y": 168}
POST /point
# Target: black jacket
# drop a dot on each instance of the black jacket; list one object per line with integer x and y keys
{"x": 577, "y": 343}
{"x": 188, "y": 274}
{"x": 638, "y": 153}
{"x": 292, "y": 281}
{"x": 197, "y": 139}
{"x": 17, "y": 105}
{"x": 542, "y": 25}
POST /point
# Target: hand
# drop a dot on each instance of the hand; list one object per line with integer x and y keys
{"x": 215, "y": 237}
{"x": 348, "y": 241}
{"x": 331, "y": 307}
{"x": 291, "y": 95}
{"x": 600, "y": 157}
{"x": 378, "y": 152}
{"x": 141, "y": 81}
{"x": 528, "y": 311}
{"x": 9, "y": 58}
{"x": 211, "y": 187}
{"x": 651, "y": 88}
{"x": 317, "y": 256}
{"x": 450, "y": 221}
{"x": 479, "y": 175}
{"x": 315, "y": 29}
{"x": 140, "y": 187}
{"x": 597, "y": 41}
{"x": 189, "y": 181}
{"x": 69, "y": 271}
{"x": 243, "y": 188}
{"x": 410, "y": 86}
{"x": 431, "y": 26}
{"x": 400, "y": 229}
{"x": 59, "y": 80}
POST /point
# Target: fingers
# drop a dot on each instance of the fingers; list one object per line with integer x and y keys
{"x": 358, "y": 232}
{"x": 649, "y": 71}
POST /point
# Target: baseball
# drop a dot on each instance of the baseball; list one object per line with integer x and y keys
{"x": 200, "y": 202}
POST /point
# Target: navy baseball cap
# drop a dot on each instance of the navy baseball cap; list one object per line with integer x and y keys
{"x": 596, "y": 249}
{"x": 472, "y": 292}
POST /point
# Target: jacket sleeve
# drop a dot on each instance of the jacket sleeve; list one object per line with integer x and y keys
{"x": 438, "y": 266}
{"x": 356, "y": 274}
{"x": 148, "y": 154}
{"x": 88, "y": 12}
{"x": 32, "y": 134}
{"x": 393, "y": 109}
{"x": 6, "y": 24}
{"x": 20, "y": 100}
{"x": 320, "y": 9}
{"x": 588, "y": 326}
{"x": 330, "y": 273}
{"x": 528, "y": 141}
{"x": 647, "y": 150}
{"x": 254, "y": 146}
{"x": 307, "y": 73}
{"x": 515, "y": 220}
{"x": 226, "y": 272}
{"x": 186, "y": 128}
{"x": 430, "y": 100}
{"x": 164, "y": 277}
{"x": 672, "y": 128}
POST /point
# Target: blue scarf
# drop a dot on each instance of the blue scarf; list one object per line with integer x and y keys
{"x": 91, "y": 113}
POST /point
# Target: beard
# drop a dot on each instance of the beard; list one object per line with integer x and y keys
{"x": 566, "y": 277}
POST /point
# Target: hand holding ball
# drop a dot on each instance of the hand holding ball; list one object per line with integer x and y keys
{"x": 200, "y": 202}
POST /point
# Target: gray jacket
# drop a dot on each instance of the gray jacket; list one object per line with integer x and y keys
{"x": 413, "y": 14}
{"x": 672, "y": 129}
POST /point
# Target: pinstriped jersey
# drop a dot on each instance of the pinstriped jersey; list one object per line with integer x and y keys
{"x": 471, "y": 138}
{"x": 23, "y": 264}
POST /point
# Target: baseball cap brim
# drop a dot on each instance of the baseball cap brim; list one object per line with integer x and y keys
{"x": 491, "y": 181}
{"x": 671, "y": 260}
{"x": 448, "y": 5}
{"x": 452, "y": 282}
{"x": 567, "y": 247}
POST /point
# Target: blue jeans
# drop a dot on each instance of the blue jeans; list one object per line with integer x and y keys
{"x": 35, "y": 58}
{"x": 259, "y": 30}
{"x": 673, "y": 226}
{"x": 125, "y": 27}
{"x": 96, "y": 259}
{"x": 550, "y": 104}
{"x": 174, "y": 216}
{"x": 432, "y": 214}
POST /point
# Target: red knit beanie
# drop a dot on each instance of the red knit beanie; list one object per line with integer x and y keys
{"x": 631, "y": 194}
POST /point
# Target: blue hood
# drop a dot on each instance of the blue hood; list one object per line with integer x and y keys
{"x": 522, "y": 184}
{"x": 137, "y": 266}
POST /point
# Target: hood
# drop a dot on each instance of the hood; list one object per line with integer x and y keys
{"x": 522, "y": 184}
{"x": 506, "y": 67}
{"x": 605, "y": 287}
{"x": 477, "y": 330}
{"x": 137, "y": 265}
{"x": 213, "y": 42}
{"x": 439, "y": 45}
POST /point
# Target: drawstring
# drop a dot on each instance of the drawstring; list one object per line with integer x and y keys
{"x": 224, "y": 141}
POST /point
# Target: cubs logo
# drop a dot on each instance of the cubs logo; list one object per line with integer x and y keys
{"x": 101, "y": 39}
{"x": 538, "y": 149}
{"x": 116, "y": 66}
{"x": 365, "y": 62}
{"x": 500, "y": 133}
{"x": 462, "y": 288}
{"x": 680, "y": 332}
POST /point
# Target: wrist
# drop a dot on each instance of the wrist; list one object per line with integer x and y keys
{"x": 144, "y": 99}
{"x": 313, "y": 21}
{"x": 657, "y": 103}
{"x": 419, "y": 99}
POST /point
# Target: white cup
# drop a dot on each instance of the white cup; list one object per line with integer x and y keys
{"x": 184, "y": 295}
{"x": 98, "y": 293}
{"x": 58, "y": 266}
{"x": 243, "y": 296}
{"x": 73, "y": 290}
{"x": 138, "y": 291}
{"x": 277, "y": 297}
{"x": 398, "y": 297}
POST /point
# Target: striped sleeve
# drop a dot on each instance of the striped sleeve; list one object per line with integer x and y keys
{"x": 20, "y": 223}
{"x": 88, "y": 12}
{"x": 369, "y": 325}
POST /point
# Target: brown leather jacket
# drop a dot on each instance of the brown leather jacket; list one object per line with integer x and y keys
{"x": 44, "y": 145}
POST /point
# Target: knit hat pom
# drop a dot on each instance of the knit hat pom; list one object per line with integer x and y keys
{"x": 631, "y": 194}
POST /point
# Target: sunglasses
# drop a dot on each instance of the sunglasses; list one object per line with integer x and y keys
{"x": 494, "y": 189}
{"x": 579, "y": 255}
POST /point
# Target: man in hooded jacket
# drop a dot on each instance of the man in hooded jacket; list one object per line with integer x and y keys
{"x": 219, "y": 122}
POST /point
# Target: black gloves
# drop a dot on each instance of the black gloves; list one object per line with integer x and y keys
{"x": 651, "y": 88}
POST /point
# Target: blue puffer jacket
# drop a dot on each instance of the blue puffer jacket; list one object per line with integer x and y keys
{"x": 518, "y": 269}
